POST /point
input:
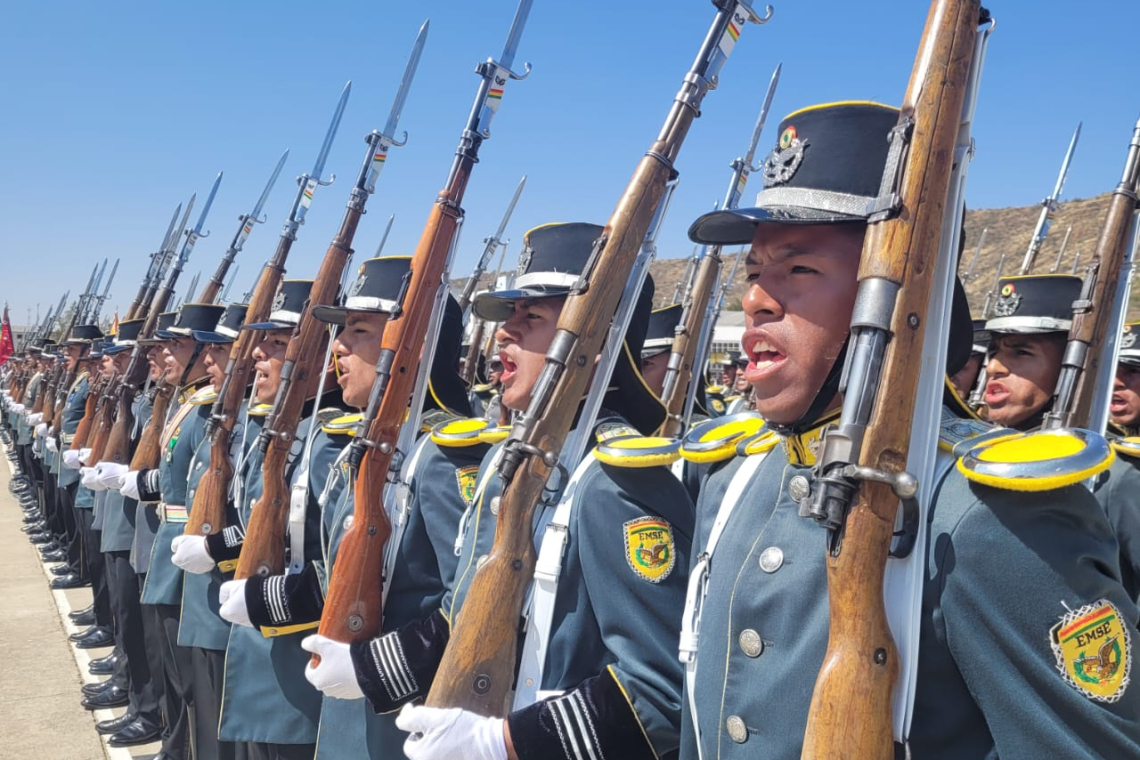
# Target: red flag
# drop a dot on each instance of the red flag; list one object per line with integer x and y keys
{"x": 7, "y": 347}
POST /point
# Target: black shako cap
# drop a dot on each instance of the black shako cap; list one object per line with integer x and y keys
{"x": 376, "y": 289}
{"x": 827, "y": 167}
{"x": 200, "y": 317}
{"x": 287, "y": 308}
{"x": 161, "y": 329}
{"x": 226, "y": 331}
{"x": 1034, "y": 303}
{"x": 82, "y": 334}
{"x": 1130, "y": 344}
{"x": 662, "y": 329}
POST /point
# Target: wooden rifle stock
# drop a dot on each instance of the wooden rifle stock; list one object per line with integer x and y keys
{"x": 353, "y": 606}
{"x": 850, "y": 713}
{"x": 474, "y": 351}
{"x": 263, "y": 551}
{"x": 684, "y": 347}
{"x": 208, "y": 512}
{"x": 91, "y": 409}
{"x": 477, "y": 670}
{"x": 149, "y": 448}
{"x": 1092, "y": 324}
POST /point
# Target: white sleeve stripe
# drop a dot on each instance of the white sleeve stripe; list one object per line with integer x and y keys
{"x": 393, "y": 656}
{"x": 374, "y": 647}
{"x": 583, "y": 715}
{"x": 275, "y": 598}
{"x": 562, "y": 720}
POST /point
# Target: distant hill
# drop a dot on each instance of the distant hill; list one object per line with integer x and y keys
{"x": 1008, "y": 230}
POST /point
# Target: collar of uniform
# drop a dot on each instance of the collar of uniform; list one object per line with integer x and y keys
{"x": 1123, "y": 431}
{"x": 803, "y": 447}
{"x": 188, "y": 391}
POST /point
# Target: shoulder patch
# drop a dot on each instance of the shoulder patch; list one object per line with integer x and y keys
{"x": 717, "y": 405}
{"x": 466, "y": 477}
{"x": 1093, "y": 651}
{"x": 609, "y": 431}
{"x": 649, "y": 548}
{"x": 435, "y": 417}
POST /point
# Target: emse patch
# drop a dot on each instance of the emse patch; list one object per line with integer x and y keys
{"x": 649, "y": 548}
{"x": 1093, "y": 651}
{"x": 466, "y": 477}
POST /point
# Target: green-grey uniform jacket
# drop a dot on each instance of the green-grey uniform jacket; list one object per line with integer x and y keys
{"x": 1118, "y": 491}
{"x": 23, "y": 429}
{"x": 612, "y": 656}
{"x": 73, "y": 410}
{"x": 145, "y": 519}
{"x": 266, "y": 697}
{"x": 167, "y": 485}
{"x": 1019, "y": 590}
{"x": 441, "y": 485}
{"x": 200, "y": 624}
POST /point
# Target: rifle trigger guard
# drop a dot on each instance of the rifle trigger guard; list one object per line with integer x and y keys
{"x": 905, "y": 487}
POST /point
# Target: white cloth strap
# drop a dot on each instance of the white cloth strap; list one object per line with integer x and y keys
{"x": 699, "y": 584}
{"x": 544, "y": 593}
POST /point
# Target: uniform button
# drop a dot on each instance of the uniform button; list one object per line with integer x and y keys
{"x": 199, "y": 466}
{"x": 771, "y": 559}
{"x": 751, "y": 643}
{"x": 348, "y": 522}
{"x": 252, "y": 502}
{"x": 736, "y": 729}
{"x": 495, "y": 506}
{"x": 481, "y": 561}
{"x": 799, "y": 488}
{"x": 191, "y": 493}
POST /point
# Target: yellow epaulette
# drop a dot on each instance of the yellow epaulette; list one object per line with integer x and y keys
{"x": 459, "y": 433}
{"x": 638, "y": 451}
{"x": 345, "y": 424}
{"x": 260, "y": 410}
{"x": 494, "y": 433}
{"x": 717, "y": 439}
{"x": 203, "y": 396}
{"x": 1039, "y": 461}
{"x": 1128, "y": 446}
{"x": 715, "y": 389}
{"x": 482, "y": 388}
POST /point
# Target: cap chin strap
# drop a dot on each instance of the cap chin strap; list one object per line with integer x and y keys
{"x": 823, "y": 398}
{"x": 190, "y": 364}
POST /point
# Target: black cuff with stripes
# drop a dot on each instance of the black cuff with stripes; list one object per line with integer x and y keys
{"x": 591, "y": 721}
{"x": 398, "y": 667}
{"x": 281, "y": 600}
{"x": 150, "y": 488}
{"x": 225, "y": 545}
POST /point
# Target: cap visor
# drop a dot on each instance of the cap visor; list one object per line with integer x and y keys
{"x": 208, "y": 336}
{"x": 274, "y": 325}
{"x": 112, "y": 350}
{"x": 738, "y": 226}
{"x": 499, "y": 305}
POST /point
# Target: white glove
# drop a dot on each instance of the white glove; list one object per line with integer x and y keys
{"x": 18, "y": 408}
{"x": 335, "y": 676}
{"x": 191, "y": 554}
{"x": 84, "y": 455}
{"x": 130, "y": 487}
{"x": 36, "y": 419}
{"x": 41, "y": 430}
{"x": 51, "y": 445}
{"x": 111, "y": 475}
{"x": 231, "y": 600}
{"x": 444, "y": 734}
{"x": 89, "y": 478}
{"x": 71, "y": 460}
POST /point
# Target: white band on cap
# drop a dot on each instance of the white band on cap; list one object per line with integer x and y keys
{"x": 545, "y": 279}
{"x": 369, "y": 303}
{"x": 126, "y": 343}
{"x": 657, "y": 343}
{"x": 229, "y": 332}
{"x": 819, "y": 200}
{"x": 292, "y": 317}
{"x": 1040, "y": 324}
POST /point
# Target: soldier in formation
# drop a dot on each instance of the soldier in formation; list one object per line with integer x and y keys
{"x": 677, "y": 605}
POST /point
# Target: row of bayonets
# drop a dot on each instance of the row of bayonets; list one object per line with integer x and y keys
{"x": 1049, "y": 208}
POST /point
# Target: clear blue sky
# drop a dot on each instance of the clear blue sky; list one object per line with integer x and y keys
{"x": 113, "y": 113}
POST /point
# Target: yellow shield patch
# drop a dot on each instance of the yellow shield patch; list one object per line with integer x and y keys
{"x": 465, "y": 477}
{"x": 649, "y": 548}
{"x": 1093, "y": 651}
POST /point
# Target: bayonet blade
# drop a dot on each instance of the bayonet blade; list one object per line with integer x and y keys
{"x": 170, "y": 228}
{"x": 107, "y": 289}
{"x": 515, "y": 36}
{"x": 206, "y": 208}
{"x": 1064, "y": 173}
{"x": 256, "y": 213}
{"x": 182, "y": 226}
{"x": 384, "y": 239}
{"x": 759, "y": 128}
{"x": 510, "y": 210}
{"x": 330, "y": 133}
{"x": 406, "y": 82}
{"x": 233, "y": 276}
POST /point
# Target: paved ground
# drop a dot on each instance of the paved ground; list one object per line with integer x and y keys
{"x": 40, "y": 713}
